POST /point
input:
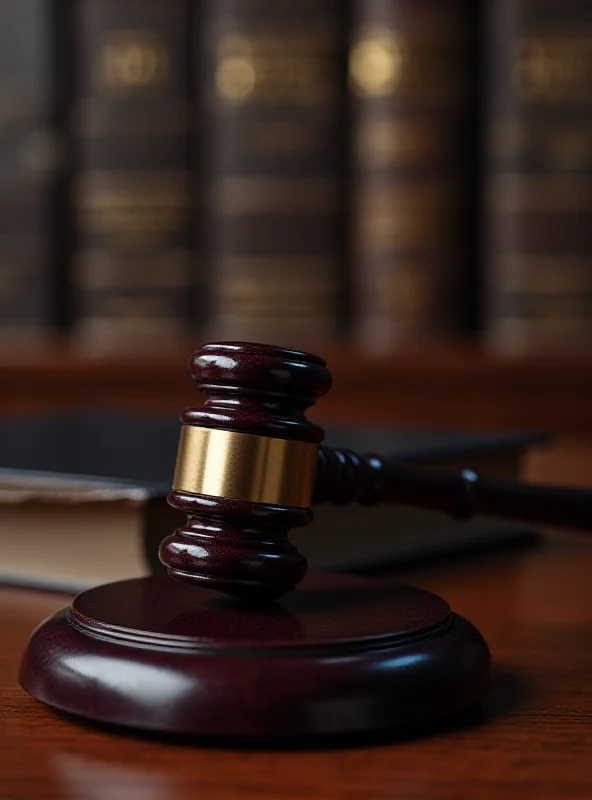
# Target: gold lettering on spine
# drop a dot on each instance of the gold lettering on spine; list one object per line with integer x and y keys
{"x": 131, "y": 209}
{"x": 236, "y": 75}
{"x": 554, "y": 68}
{"x": 381, "y": 64}
{"x": 273, "y": 68}
{"x": 133, "y": 59}
{"x": 376, "y": 63}
{"x": 243, "y": 466}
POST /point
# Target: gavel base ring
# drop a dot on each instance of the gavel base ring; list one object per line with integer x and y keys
{"x": 338, "y": 655}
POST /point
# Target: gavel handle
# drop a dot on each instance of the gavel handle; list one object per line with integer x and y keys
{"x": 346, "y": 477}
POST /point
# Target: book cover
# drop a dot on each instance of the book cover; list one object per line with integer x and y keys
{"x": 413, "y": 96}
{"x": 272, "y": 82}
{"x": 131, "y": 194}
{"x": 539, "y": 176}
{"x": 68, "y": 532}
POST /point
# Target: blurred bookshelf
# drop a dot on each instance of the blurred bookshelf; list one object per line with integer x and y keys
{"x": 404, "y": 187}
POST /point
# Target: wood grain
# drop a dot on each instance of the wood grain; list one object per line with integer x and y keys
{"x": 533, "y": 739}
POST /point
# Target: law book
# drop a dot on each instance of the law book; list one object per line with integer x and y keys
{"x": 28, "y": 163}
{"x": 412, "y": 79}
{"x": 83, "y": 500}
{"x": 69, "y": 532}
{"x": 271, "y": 83}
{"x": 132, "y": 260}
{"x": 539, "y": 181}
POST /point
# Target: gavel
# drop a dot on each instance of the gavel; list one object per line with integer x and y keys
{"x": 250, "y": 465}
{"x": 341, "y": 653}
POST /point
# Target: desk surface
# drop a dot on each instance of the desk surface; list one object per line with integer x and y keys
{"x": 533, "y": 739}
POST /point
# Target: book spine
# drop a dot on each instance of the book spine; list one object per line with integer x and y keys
{"x": 27, "y": 167}
{"x": 131, "y": 266}
{"x": 273, "y": 91}
{"x": 539, "y": 176}
{"x": 413, "y": 109}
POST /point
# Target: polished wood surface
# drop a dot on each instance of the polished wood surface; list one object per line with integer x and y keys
{"x": 232, "y": 541}
{"x": 533, "y": 740}
{"x": 444, "y": 386}
{"x": 340, "y": 654}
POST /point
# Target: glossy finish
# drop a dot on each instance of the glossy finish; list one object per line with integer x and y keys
{"x": 532, "y": 741}
{"x": 344, "y": 477}
{"x": 257, "y": 388}
{"x": 340, "y": 654}
{"x": 236, "y": 545}
{"x": 240, "y": 546}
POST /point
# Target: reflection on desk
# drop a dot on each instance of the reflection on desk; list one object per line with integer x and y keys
{"x": 532, "y": 739}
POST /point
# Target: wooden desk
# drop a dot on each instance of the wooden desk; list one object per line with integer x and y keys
{"x": 447, "y": 386}
{"x": 533, "y": 739}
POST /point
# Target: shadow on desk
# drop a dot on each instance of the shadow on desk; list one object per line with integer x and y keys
{"x": 532, "y": 738}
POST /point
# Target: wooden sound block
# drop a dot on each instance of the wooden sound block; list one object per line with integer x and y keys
{"x": 339, "y": 654}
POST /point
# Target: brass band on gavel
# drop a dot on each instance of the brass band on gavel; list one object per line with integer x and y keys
{"x": 245, "y": 466}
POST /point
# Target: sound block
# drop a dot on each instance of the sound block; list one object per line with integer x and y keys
{"x": 340, "y": 654}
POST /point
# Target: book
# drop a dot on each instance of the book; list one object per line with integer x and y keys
{"x": 272, "y": 93}
{"x": 91, "y": 487}
{"x": 412, "y": 77}
{"x": 28, "y": 164}
{"x": 131, "y": 195}
{"x": 70, "y": 532}
{"x": 539, "y": 176}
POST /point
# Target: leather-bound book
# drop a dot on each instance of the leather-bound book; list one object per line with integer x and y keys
{"x": 27, "y": 170}
{"x": 131, "y": 198}
{"x": 539, "y": 188}
{"x": 413, "y": 107}
{"x": 272, "y": 75}
{"x": 61, "y": 531}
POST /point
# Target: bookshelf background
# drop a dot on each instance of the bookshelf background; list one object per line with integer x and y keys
{"x": 358, "y": 178}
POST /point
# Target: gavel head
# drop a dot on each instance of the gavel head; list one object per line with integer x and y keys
{"x": 245, "y": 469}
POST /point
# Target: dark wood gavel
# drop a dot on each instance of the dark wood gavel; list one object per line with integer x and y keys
{"x": 250, "y": 465}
